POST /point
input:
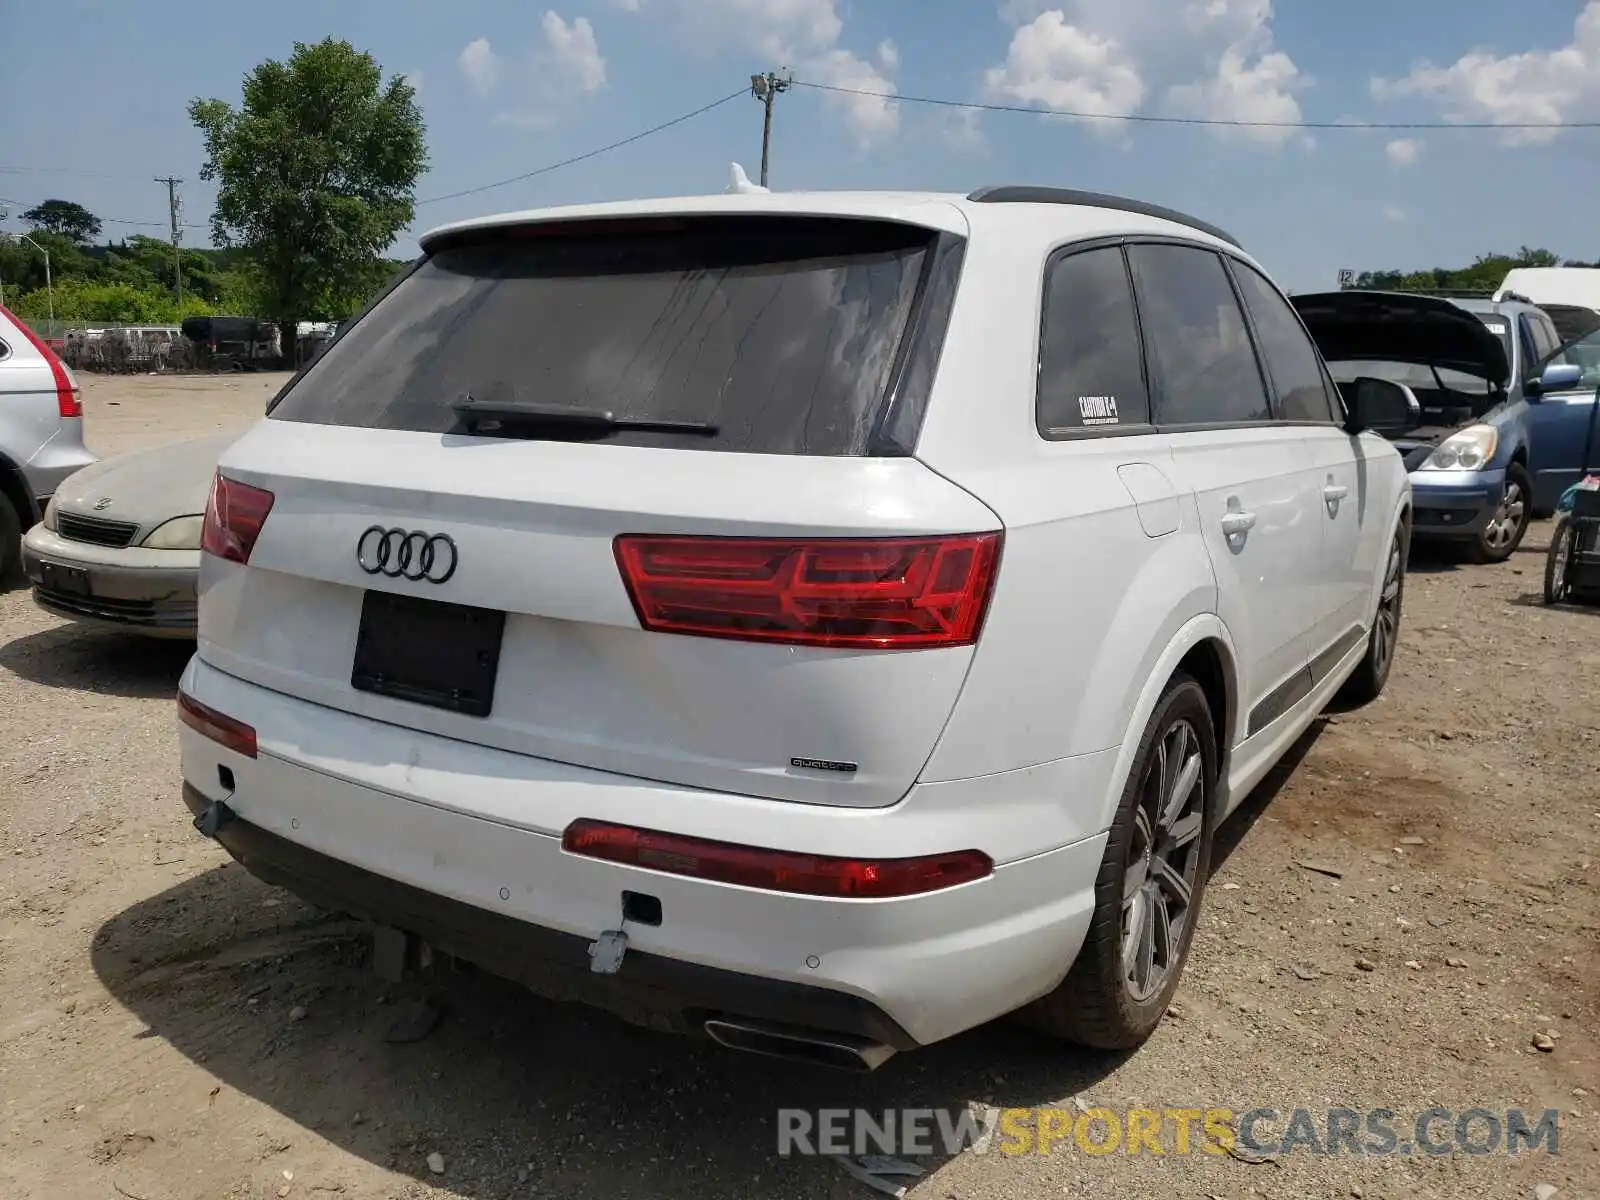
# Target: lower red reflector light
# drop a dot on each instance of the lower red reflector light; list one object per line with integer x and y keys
{"x": 775, "y": 870}
{"x": 220, "y": 728}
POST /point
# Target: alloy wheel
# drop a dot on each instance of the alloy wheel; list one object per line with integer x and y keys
{"x": 1386, "y": 628}
{"x": 1163, "y": 862}
{"x": 1507, "y": 521}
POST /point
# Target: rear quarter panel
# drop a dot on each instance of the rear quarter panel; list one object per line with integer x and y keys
{"x": 1085, "y": 607}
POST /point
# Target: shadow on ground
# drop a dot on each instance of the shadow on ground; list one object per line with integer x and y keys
{"x": 1243, "y": 819}
{"x": 91, "y": 660}
{"x": 517, "y": 1093}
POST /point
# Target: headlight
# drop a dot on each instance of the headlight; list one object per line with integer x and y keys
{"x": 1469, "y": 450}
{"x": 49, "y": 518}
{"x": 180, "y": 533}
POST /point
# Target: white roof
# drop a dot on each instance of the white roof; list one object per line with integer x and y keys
{"x": 948, "y": 212}
{"x": 1554, "y": 285}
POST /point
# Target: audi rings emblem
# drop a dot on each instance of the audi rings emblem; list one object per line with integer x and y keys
{"x": 399, "y": 554}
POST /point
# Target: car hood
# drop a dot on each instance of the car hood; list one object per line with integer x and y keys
{"x": 147, "y": 486}
{"x": 1398, "y": 328}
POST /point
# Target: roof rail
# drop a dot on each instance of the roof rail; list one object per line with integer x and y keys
{"x": 1025, "y": 194}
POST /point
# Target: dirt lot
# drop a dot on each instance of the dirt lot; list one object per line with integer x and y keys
{"x": 170, "y": 1028}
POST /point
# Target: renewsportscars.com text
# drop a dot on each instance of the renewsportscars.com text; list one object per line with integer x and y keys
{"x": 1263, "y": 1131}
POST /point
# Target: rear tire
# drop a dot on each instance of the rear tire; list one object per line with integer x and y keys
{"x": 10, "y": 546}
{"x": 1504, "y": 532}
{"x": 1148, "y": 891}
{"x": 1366, "y": 682}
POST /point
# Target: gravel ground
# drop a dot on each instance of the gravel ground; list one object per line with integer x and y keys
{"x": 169, "y": 1028}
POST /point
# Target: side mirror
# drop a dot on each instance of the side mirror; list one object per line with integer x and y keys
{"x": 1381, "y": 406}
{"x": 1557, "y": 377}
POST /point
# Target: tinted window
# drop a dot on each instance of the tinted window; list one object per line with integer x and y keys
{"x": 780, "y": 334}
{"x": 1091, "y": 370}
{"x": 1291, "y": 356}
{"x": 1585, "y": 353}
{"x": 1200, "y": 352}
{"x": 1501, "y": 328}
{"x": 1545, "y": 342}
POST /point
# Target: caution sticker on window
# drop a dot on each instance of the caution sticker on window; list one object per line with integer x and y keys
{"x": 1098, "y": 410}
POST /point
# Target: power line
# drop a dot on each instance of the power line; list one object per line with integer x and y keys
{"x": 23, "y": 204}
{"x": 578, "y": 158}
{"x": 1152, "y": 119}
{"x": 64, "y": 171}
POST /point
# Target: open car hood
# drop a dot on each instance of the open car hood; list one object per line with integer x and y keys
{"x": 1399, "y": 328}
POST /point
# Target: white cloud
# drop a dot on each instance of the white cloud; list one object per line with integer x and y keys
{"x": 1404, "y": 152}
{"x": 870, "y": 117}
{"x": 572, "y": 51}
{"x": 1536, "y": 86}
{"x": 1213, "y": 59}
{"x": 1058, "y": 66}
{"x": 1394, "y": 215}
{"x": 963, "y": 129}
{"x": 480, "y": 65}
{"x": 806, "y": 36}
{"x": 566, "y": 64}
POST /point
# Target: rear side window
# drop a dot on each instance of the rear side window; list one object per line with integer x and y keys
{"x": 769, "y": 335}
{"x": 1545, "y": 342}
{"x": 1291, "y": 355}
{"x": 1091, "y": 367}
{"x": 1200, "y": 351}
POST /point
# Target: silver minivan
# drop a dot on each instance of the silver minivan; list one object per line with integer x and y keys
{"x": 41, "y": 435}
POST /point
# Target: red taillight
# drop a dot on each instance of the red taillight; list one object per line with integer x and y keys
{"x": 224, "y": 730}
{"x": 885, "y": 593}
{"x": 68, "y": 401}
{"x": 235, "y": 513}
{"x": 775, "y": 870}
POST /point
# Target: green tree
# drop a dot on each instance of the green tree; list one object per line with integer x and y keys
{"x": 70, "y": 220}
{"x": 1484, "y": 274}
{"x": 317, "y": 169}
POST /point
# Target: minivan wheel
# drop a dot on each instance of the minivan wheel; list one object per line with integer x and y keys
{"x": 1367, "y": 681}
{"x": 1503, "y": 534}
{"x": 10, "y": 546}
{"x": 1147, "y": 894}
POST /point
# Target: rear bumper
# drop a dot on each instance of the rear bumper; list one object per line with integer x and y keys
{"x": 462, "y": 845}
{"x": 59, "y": 458}
{"x": 147, "y": 591}
{"x": 650, "y": 990}
{"x": 1454, "y": 504}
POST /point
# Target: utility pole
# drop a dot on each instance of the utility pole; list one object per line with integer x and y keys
{"x": 766, "y": 88}
{"x": 174, "y": 203}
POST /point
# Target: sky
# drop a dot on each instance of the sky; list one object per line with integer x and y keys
{"x": 94, "y": 94}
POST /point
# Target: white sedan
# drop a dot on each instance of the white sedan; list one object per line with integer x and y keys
{"x": 119, "y": 545}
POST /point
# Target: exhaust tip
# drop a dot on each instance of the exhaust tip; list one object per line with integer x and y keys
{"x": 841, "y": 1051}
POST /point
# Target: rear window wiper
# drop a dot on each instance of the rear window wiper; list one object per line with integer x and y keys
{"x": 477, "y": 413}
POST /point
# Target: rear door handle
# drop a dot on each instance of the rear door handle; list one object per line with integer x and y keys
{"x": 1335, "y": 492}
{"x": 1237, "y": 524}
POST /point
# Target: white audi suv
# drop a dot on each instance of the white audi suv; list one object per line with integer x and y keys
{"x": 824, "y": 621}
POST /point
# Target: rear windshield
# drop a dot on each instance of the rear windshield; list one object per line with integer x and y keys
{"x": 782, "y": 333}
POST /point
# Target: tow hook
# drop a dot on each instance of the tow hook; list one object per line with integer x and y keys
{"x": 215, "y": 817}
{"x": 606, "y": 951}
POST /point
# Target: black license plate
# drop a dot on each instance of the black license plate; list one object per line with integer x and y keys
{"x": 70, "y": 581}
{"x": 428, "y": 652}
